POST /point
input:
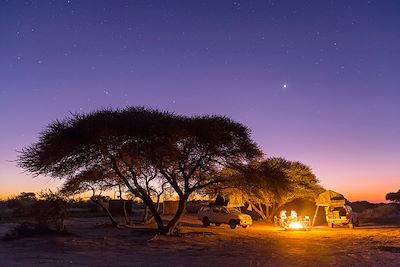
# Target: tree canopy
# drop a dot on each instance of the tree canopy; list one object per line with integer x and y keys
{"x": 268, "y": 185}
{"x": 395, "y": 197}
{"x": 142, "y": 148}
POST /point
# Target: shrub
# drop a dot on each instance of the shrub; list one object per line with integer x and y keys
{"x": 383, "y": 214}
{"x": 50, "y": 210}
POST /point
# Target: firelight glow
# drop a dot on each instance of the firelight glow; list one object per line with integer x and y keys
{"x": 295, "y": 225}
{"x": 337, "y": 61}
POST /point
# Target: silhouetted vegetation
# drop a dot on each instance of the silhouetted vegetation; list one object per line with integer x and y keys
{"x": 40, "y": 214}
{"x": 143, "y": 149}
{"x": 395, "y": 197}
{"x": 270, "y": 184}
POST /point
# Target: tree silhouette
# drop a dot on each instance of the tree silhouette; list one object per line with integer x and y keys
{"x": 96, "y": 181}
{"x": 26, "y": 196}
{"x": 270, "y": 184}
{"x": 139, "y": 146}
{"x": 395, "y": 197}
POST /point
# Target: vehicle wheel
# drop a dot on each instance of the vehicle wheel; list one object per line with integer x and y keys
{"x": 330, "y": 225}
{"x": 351, "y": 225}
{"x": 206, "y": 221}
{"x": 244, "y": 226}
{"x": 218, "y": 224}
{"x": 357, "y": 223}
{"x": 232, "y": 224}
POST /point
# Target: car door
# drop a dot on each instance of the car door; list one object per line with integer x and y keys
{"x": 218, "y": 215}
{"x": 225, "y": 215}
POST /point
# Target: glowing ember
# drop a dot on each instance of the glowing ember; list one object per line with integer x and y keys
{"x": 295, "y": 225}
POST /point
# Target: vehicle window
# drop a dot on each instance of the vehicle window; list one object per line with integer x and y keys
{"x": 234, "y": 211}
{"x": 216, "y": 209}
{"x": 341, "y": 210}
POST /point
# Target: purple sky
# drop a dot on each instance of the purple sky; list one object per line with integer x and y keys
{"x": 316, "y": 81}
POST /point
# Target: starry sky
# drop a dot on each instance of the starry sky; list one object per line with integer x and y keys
{"x": 316, "y": 81}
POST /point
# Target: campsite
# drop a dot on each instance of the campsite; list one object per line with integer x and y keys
{"x": 91, "y": 240}
{"x": 258, "y": 245}
{"x": 199, "y": 133}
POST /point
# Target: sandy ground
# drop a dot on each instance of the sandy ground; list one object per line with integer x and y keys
{"x": 92, "y": 244}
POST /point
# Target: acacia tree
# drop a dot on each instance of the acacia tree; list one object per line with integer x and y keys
{"x": 393, "y": 196}
{"x": 136, "y": 144}
{"x": 302, "y": 183}
{"x": 274, "y": 182}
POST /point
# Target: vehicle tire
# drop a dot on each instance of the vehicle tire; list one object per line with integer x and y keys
{"x": 218, "y": 224}
{"x": 244, "y": 226}
{"x": 351, "y": 225}
{"x": 330, "y": 225}
{"x": 206, "y": 221}
{"x": 232, "y": 224}
{"x": 357, "y": 223}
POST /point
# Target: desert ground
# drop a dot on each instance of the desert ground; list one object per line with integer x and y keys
{"x": 92, "y": 243}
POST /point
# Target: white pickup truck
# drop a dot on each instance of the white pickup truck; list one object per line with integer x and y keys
{"x": 219, "y": 215}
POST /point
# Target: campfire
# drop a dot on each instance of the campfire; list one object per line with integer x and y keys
{"x": 293, "y": 222}
{"x": 295, "y": 225}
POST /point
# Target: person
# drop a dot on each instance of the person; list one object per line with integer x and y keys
{"x": 293, "y": 214}
{"x": 283, "y": 217}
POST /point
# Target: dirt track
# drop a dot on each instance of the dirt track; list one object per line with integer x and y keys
{"x": 258, "y": 245}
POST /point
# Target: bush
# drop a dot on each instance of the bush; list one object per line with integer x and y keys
{"x": 383, "y": 214}
{"x": 41, "y": 215}
{"x": 23, "y": 230}
{"x": 50, "y": 210}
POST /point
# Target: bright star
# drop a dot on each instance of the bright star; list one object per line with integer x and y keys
{"x": 284, "y": 86}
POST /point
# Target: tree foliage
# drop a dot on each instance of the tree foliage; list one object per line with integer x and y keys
{"x": 395, "y": 197}
{"x": 26, "y": 196}
{"x": 143, "y": 149}
{"x": 270, "y": 184}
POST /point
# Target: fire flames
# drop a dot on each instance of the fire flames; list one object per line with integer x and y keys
{"x": 295, "y": 225}
{"x": 293, "y": 222}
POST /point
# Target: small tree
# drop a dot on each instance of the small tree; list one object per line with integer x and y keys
{"x": 96, "y": 181}
{"x": 270, "y": 184}
{"x": 49, "y": 211}
{"x": 135, "y": 144}
{"x": 395, "y": 197}
{"x": 26, "y": 196}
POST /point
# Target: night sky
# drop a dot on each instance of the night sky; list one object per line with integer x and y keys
{"x": 316, "y": 81}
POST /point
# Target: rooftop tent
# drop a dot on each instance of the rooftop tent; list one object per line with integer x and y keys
{"x": 330, "y": 198}
{"x": 327, "y": 199}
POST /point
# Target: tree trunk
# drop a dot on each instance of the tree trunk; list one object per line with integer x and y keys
{"x": 113, "y": 222}
{"x": 259, "y": 210}
{"x": 125, "y": 214}
{"x": 145, "y": 212}
{"x": 157, "y": 217}
{"x": 171, "y": 228}
{"x": 147, "y": 217}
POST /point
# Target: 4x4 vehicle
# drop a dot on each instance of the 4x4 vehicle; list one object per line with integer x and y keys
{"x": 341, "y": 215}
{"x": 219, "y": 215}
{"x": 336, "y": 211}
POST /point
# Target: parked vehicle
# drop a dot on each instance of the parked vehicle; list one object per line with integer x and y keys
{"x": 220, "y": 215}
{"x": 336, "y": 211}
{"x": 342, "y": 215}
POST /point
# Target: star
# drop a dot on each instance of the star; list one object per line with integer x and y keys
{"x": 284, "y": 85}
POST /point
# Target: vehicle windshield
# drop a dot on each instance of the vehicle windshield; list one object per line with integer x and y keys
{"x": 234, "y": 211}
